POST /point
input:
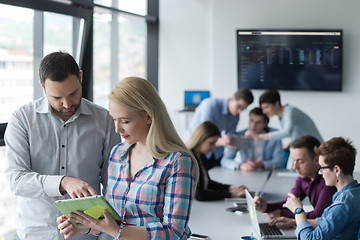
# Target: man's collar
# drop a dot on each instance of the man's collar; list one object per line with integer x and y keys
{"x": 44, "y": 107}
{"x": 84, "y": 107}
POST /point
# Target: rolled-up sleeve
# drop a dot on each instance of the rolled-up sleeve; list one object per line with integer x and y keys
{"x": 329, "y": 226}
{"x": 306, "y": 226}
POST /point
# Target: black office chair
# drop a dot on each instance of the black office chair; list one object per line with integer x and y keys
{"x": 2, "y": 132}
{"x": 286, "y": 157}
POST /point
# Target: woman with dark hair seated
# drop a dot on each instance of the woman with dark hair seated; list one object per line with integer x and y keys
{"x": 201, "y": 142}
{"x": 341, "y": 220}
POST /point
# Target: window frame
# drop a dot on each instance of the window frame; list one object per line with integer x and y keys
{"x": 85, "y": 9}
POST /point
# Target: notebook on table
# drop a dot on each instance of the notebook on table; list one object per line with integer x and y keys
{"x": 263, "y": 229}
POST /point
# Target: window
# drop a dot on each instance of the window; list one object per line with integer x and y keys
{"x": 119, "y": 50}
{"x": 102, "y": 58}
{"x": 132, "y": 6}
{"x": 58, "y": 30}
{"x": 16, "y": 58}
{"x": 113, "y": 47}
{"x": 132, "y": 47}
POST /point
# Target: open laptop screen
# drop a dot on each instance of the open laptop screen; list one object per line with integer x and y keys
{"x": 193, "y": 98}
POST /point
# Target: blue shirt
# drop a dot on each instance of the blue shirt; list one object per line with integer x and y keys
{"x": 341, "y": 220}
{"x": 215, "y": 110}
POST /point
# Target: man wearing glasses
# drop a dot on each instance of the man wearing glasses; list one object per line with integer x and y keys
{"x": 309, "y": 183}
{"x": 225, "y": 114}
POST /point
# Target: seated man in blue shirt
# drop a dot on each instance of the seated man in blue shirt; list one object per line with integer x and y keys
{"x": 261, "y": 154}
{"x": 225, "y": 114}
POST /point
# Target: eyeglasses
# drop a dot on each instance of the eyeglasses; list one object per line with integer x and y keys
{"x": 240, "y": 107}
{"x": 321, "y": 169}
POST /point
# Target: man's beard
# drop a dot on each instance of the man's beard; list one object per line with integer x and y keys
{"x": 64, "y": 113}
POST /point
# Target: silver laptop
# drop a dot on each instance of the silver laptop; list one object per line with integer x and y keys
{"x": 263, "y": 230}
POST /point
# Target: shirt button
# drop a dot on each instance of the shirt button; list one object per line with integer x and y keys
{"x": 62, "y": 167}
{"x": 62, "y": 146}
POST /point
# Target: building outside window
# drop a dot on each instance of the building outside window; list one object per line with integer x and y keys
{"x": 119, "y": 50}
{"x": 119, "y": 45}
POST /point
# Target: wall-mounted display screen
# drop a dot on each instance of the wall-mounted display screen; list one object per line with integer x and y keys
{"x": 290, "y": 59}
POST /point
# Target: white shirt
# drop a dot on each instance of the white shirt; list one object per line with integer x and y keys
{"x": 41, "y": 149}
{"x": 257, "y": 150}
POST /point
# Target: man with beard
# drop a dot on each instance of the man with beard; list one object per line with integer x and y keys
{"x": 57, "y": 147}
{"x": 309, "y": 183}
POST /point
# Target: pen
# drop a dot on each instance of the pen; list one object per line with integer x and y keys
{"x": 266, "y": 181}
{"x": 260, "y": 195}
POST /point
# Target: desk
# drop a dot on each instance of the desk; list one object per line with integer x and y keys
{"x": 212, "y": 219}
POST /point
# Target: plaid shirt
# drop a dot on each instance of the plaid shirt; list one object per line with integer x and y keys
{"x": 159, "y": 196}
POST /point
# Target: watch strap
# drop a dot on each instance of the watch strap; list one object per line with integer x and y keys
{"x": 298, "y": 210}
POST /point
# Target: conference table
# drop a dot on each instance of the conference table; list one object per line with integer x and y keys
{"x": 211, "y": 218}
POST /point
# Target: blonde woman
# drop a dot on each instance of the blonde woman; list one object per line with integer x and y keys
{"x": 151, "y": 175}
{"x": 201, "y": 142}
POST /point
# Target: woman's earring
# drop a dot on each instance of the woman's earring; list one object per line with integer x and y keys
{"x": 337, "y": 178}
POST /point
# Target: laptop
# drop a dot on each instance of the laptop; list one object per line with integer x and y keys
{"x": 193, "y": 98}
{"x": 263, "y": 229}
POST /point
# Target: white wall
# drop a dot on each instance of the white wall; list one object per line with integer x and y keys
{"x": 198, "y": 51}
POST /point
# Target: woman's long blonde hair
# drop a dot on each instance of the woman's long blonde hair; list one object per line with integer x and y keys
{"x": 202, "y": 132}
{"x": 137, "y": 94}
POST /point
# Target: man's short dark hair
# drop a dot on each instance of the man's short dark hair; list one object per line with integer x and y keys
{"x": 245, "y": 94}
{"x": 308, "y": 142}
{"x": 270, "y": 96}
{"x": 258, "y": 112}
{"x": 57, "y": 66}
